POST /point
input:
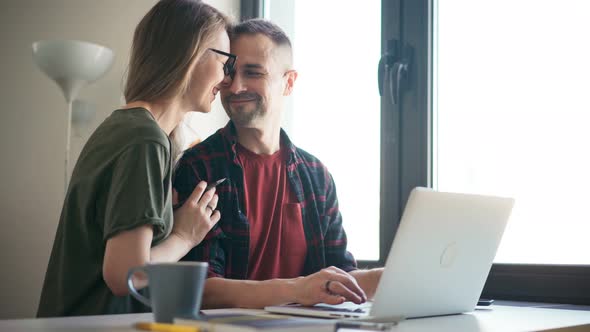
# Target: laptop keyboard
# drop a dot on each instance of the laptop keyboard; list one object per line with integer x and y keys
{"x": 324, "y": 308}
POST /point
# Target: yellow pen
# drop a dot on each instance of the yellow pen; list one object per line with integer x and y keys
{"x": 163, "y": 327}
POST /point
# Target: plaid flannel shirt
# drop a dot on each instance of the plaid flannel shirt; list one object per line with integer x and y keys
{"x": 226, "y": 246}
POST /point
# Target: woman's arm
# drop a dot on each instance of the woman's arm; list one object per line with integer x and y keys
{"x": 132, "y": 248}
{"x": 124, "y": 251}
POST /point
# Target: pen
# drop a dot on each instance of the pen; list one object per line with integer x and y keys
{"x": 214, "y": 184}
{"x": 163, "y": 327}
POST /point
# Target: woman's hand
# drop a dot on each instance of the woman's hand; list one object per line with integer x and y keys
{"x": 330, "y": 285}
{"x": 195, "y": 218}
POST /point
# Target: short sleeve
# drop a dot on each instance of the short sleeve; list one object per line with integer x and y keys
{"x": 139, "y": 192}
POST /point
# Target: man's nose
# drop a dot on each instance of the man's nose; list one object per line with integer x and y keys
{"x": 236, "y": 85}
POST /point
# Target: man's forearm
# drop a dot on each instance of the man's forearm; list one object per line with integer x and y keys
{"x": 228, "y": 293}
{"x": 368, "y": 280}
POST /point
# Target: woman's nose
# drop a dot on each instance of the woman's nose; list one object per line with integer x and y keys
{"x": 226, "y": 82}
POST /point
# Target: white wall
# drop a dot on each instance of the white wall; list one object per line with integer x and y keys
{"x": 32, "y": 126}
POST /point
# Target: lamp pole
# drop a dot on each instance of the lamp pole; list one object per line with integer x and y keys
{"x": 68, "y": 143}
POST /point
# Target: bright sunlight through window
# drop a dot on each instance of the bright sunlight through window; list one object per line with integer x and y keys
{"x": 335, "y": 111}
{"x": 512, "y": 118}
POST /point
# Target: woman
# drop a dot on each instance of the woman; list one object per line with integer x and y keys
{"x": 118, "y": 209}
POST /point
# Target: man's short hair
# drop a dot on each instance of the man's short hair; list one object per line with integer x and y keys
{"x": 263, "y": 27}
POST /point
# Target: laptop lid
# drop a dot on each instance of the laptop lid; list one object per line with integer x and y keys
{"x": 441, "y": 254}
{"x": 439, "y": 260}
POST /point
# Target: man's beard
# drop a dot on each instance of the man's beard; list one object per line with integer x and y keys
{"x": 239, "y": 115}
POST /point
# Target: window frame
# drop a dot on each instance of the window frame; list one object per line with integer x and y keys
{"x": 251, "y": 9}
{"x": 405, "y": 126}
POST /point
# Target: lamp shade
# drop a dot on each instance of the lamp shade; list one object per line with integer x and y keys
{"x": 72, "y": 63}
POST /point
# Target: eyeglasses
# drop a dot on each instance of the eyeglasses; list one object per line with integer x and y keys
{"x": 229, "y": 65}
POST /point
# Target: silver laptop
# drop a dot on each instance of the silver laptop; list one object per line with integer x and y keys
{"x": 439, "y": 261}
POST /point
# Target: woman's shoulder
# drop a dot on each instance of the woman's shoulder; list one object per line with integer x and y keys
{"x": 134, "y": 126}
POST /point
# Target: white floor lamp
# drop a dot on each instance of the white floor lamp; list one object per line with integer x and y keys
{"x": 71, "y": 64}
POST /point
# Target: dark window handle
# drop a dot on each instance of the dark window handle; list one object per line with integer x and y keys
{"x": 393, "y": 70}
{"x": 385, "y": 63}
{"x": 397, "y": 74}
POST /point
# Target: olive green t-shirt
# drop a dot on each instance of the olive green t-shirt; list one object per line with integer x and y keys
{"x": 121, "y": 180}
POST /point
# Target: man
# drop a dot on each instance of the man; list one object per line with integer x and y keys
{"x": 279, "y": 210}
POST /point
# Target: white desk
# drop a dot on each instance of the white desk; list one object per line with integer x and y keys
{"x": 498, "y": 318}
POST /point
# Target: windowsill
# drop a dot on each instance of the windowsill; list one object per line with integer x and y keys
{"x": 543, "y": 305}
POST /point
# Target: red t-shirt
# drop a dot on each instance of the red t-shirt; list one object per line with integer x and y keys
{"x": 277, "y": 240}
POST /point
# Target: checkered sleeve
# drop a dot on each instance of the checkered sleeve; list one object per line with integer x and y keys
{"x": 335, "y": 238}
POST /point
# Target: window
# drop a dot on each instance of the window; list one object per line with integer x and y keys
{"x": 512, "y": 116}
{"x": 507, "y": 113}
{"x": 335, "y": 107}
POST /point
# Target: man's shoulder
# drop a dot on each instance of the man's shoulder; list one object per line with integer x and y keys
{"x": 308, "y": 159}
{"x": 204, "y": 161}
{"x": 306, "y": 155}
{"x": 212, "y": 147}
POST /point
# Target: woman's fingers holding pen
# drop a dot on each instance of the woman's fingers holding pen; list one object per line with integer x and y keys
{"x": 195, "y": 196}
{"x": 195, "y": 218}
{"x": 212, "y": 204}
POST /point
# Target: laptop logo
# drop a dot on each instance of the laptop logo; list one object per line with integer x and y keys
{"x": 447, "y": 258}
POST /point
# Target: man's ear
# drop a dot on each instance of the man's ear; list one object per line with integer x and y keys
{"x": 291, "y": 77}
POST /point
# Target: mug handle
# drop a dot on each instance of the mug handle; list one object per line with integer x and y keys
{"x": 132, "y": 289}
